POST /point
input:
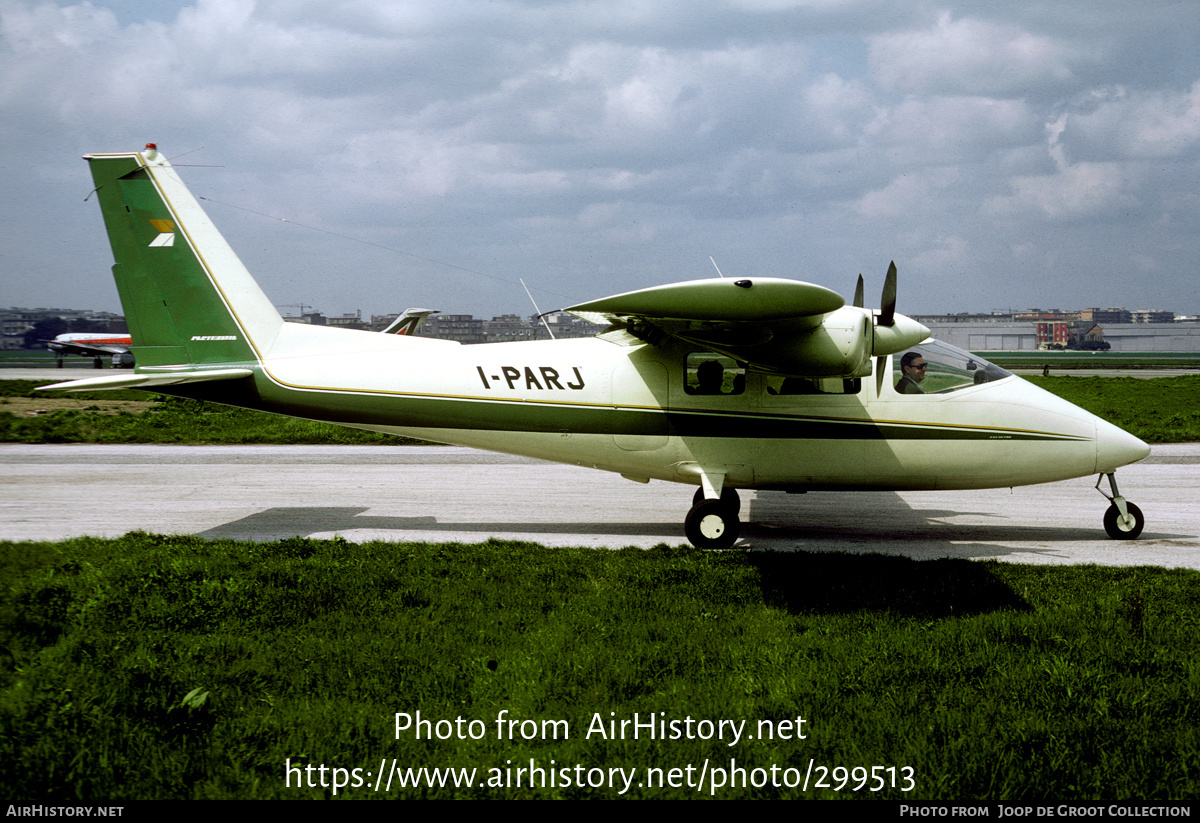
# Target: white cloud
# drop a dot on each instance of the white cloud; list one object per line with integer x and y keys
{"x": 968, "y": 56}
{"x": 627, "y": 135}
{"x": 907, "y": 195}
{"x": 946, "y": 256}
{"x": 936, "y": 129}
{"x": 1083, "y": 190}
{"x": 1143, "y": 124}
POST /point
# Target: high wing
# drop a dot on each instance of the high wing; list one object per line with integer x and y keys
{"x": 774, "y": 325}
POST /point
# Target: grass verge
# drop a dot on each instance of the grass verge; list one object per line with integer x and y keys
{"x": 171, "y": 667}
{"x": 1158, "y": 410}
{"x": 165, "y": 419}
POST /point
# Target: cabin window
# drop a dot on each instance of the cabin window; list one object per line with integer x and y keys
{"x": 786, "y": 386}
{"x": 936, "y": 368}
{"x": 709, "y": 373}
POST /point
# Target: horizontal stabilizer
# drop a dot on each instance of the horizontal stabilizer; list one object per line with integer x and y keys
{"x": 147, "y": 381}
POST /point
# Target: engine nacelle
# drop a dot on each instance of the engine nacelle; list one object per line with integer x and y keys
{"x": 839, "y": 346}
{"x": 842, "y": 345}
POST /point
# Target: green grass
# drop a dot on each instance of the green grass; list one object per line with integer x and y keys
{"x": 169, "y": 420}
{"x": 1093, "y": 360}
{"x": 171, "y": 667}
{"x": 28, "y": 388}
{"x": 39, "y": 358}
{"x": 1158, "y": 410}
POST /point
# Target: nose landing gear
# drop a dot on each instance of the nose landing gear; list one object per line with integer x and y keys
{"x": 1123, "y": 520}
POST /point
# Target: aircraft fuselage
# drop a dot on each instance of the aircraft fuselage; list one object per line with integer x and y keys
{"x": 627, "y": 409}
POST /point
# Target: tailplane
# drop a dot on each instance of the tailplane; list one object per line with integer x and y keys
{"x": 188, "y": 300}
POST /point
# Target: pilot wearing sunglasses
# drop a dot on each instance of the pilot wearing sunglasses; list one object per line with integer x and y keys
{"x": 912, "y": 366}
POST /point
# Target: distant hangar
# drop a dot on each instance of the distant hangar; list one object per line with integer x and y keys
{"x": 1022, "y": 336}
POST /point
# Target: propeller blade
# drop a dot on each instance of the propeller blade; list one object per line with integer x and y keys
{"x": 887, "y": 313}
{"x": 858, "y": 293}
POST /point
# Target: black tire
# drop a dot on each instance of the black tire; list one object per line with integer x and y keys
{"x": 1120, "y": 531}
{"x": 710, "y": 525}
{"x": 729, "y": 498}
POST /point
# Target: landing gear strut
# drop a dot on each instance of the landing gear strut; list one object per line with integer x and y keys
{"x": 1123, "y": 520}
{"x": 729, "y": 499}
{"x": 713, "y": 523}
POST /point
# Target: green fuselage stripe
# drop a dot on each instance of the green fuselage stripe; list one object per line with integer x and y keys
{"x": 472, "y": 413}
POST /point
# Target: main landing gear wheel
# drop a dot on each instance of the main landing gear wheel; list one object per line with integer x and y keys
{"x": 1124, "y": 528}
{"x": 711, "y": 524}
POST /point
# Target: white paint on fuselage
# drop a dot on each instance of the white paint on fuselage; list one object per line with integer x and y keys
{"x": 970, "y": 438}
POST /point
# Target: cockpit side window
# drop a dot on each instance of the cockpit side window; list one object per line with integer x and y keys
{"x": 936, "y": 368}
{"x": 714, "y": 374}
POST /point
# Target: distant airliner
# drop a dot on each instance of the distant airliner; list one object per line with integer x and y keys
{"x": 95, "y": 345}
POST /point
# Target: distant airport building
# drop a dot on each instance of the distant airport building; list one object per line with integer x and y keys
{"x": 1177, "y": 337}
{"x": 1045, "y": 315}
{"x": 464, "y": 328}
{"x": 511, "y": 328}
{"x": 1106, "y": 315}
{"x": 19, "y": 321}
{"x": 1053, "y": 333}
{"x": 1153, "y": 316}
{"x": 1125, "y": 337}
{"x": 347, "y": 321}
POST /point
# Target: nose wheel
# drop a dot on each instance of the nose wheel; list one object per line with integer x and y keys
{"x": 1123, "y": 526}
{"x": 1123, "y": 520}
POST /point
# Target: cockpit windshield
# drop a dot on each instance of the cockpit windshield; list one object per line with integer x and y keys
{"x": 936, "y": 368}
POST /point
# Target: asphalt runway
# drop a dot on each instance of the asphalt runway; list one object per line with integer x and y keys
{"x": 453, "y": 494}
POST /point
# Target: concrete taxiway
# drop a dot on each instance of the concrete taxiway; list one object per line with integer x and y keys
{"x": 453, "y": 494}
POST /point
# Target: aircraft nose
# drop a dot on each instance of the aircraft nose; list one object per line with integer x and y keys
{"x": 1116, "y": 447}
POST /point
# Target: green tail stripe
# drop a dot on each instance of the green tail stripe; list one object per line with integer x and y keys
{"x": 187, "y": 298}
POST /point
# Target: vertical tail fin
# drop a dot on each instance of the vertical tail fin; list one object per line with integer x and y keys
{"x": 409, "y": 321}
{"x": 187, "y": 298}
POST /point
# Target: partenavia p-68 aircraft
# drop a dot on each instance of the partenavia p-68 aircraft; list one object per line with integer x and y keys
{"x": 758, "y": 383}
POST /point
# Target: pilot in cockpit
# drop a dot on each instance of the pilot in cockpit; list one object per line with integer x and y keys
{"x": 912, "y": 366}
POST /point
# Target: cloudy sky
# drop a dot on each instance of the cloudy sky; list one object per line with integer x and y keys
{"x": 1006, "y": 155}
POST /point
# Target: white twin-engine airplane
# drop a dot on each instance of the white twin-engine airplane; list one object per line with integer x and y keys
{"x": 759, "y": 383}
